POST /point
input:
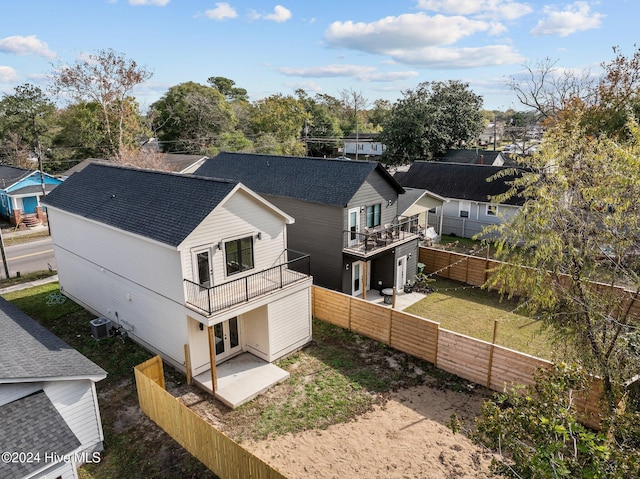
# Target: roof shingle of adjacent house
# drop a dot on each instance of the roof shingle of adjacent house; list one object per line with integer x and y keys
{"x": 161, "y": 206}
{"x": 28, "y": 351}
{"x": 458, "y": 181}
{"x": 318, "y": 180}
{"x": 11, "y": 174}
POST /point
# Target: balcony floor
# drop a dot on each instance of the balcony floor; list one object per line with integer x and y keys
{"x": 242, "y": 378}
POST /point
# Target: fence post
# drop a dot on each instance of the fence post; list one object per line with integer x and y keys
{"x": 493, "y": 342}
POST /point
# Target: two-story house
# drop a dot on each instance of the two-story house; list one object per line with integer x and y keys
{"x": 468, "y": 191}
{"x": 346, "y": 211}
{"x": 195, "y": 269}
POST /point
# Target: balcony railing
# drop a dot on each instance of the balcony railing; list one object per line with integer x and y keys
{"x": 209, "y": 300}
{"x": 381, "y": 237}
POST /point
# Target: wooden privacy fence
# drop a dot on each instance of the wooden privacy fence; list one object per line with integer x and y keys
{"x": 475, "y": 270}
{"x": 490, "y": 365}
{"x": 219, "y": 453}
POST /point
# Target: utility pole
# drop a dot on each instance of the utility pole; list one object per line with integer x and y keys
{"x": 4, "y": 256}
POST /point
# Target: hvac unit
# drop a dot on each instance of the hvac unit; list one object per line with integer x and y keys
{"x": 100, "y": 328}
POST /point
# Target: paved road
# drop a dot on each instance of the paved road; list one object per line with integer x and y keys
{"x": 29, "y": 257}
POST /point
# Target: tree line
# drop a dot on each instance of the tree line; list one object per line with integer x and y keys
{"x": 99, "y": 118}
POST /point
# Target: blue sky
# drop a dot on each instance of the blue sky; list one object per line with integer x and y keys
{"x": 377, "y": 48}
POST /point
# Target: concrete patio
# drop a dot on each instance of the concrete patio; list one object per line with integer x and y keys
{"x": 403, "y": 300}
{"x": 242, "y": 378}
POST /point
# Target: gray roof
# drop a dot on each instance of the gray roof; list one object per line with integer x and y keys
{"x": 161, "y": 206}
{"x": 10, "y": 174}
{"x": 29, "y": 351}
{"x": 319, "y": 180}
{"x": 32, "y": 425}
{"x": 458, "y": 181}
{"x": 477, "y": 157}
{"x": 33, "y": 189}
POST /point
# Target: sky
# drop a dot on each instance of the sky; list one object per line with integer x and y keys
{"x": 376, "y": 48}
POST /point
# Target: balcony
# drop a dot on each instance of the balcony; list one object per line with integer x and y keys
{"x": 210, "y": 300}
{"x": 380, "y": 238}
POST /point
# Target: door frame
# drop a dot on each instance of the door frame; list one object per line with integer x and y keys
{"x": 401, "y": 279}
{"x": 227, "y": 332}
{"x": 367, "y": 285}
{"x": 353, "y": 240}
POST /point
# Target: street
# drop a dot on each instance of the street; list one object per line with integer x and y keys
{"x": 29, "y": 257}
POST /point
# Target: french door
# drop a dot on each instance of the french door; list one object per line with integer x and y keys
{"x": 227, "y": 337}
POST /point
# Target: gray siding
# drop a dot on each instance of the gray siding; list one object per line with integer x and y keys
{"x": 317, "y": 232}
{"x": 376, "y": 189}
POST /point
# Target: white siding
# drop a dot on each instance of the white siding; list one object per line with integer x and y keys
{"x": 238, "y": 217}
{"x": 65, "y": 470}
{"x": 255, "y": 328}
{"x": 289, "y": 323}
{"x": 75, "y": 402}
{"x": 143, "y": 262}
{"x": 151, "y": 318}
{"x": 11, "y": 392}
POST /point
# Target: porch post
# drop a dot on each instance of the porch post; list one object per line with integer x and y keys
{"x": 364, "y": 279}
{"x": 212, "y": 359}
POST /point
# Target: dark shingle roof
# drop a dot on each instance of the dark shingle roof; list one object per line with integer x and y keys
{"x": 458, "y": 181}
{"x": 478, "y": 157}
{"x": 318, "y": 180}
{"x": 10, "y": 174}
{"x": 164, "y": 207}
{"x": 32, "y": 425}
{"x": 29, "y": 351}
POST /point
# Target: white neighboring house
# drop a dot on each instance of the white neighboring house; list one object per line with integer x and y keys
{"x": 49, "y": 417}
{"x": 193, "y": 268}
{"x": 363, "y": 145}
{"x": 467, "y": 191}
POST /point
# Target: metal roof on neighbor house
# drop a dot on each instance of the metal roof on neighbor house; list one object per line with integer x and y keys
{"x": 30, "y": 351}
{"x": 33, "y": 426}
{"x": 458, "y": 181}
{"x": 330, "y": 181}
{"x": 161, "y": 206}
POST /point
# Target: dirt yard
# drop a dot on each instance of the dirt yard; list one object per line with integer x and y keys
{"x": 403, "y": 433}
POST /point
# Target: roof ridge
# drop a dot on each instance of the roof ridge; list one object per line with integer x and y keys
{"x": 160, "y": 172}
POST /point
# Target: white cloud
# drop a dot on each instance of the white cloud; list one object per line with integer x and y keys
{"x": 364, "y": 73}
{"x": 8, "y": 75}
{"x": 280, "y": 14}
{"x": 577, "y": 17}
{"x": 223, "y": 10}
{"x": 159, "y": 3}
{"x": 30, "y": 45}
{"x": 455, "y": 58}
{"x": 408, "y": 31}
{"x": 505, "y": 9}
{"x": 305, "y": 85}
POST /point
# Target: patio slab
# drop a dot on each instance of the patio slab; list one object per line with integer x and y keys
{"x": 242, "y": 378}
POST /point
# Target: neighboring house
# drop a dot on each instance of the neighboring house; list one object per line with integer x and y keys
{"x": 161, "y": 161}
{"x": 363, "y": 145}
{"x": 182, "y": 263}
{"x": 468, "y": 192}
{"x": 346, "y": 211}
{"x": 21, "y": 193}
{"x": 49, "y": 417}
{"x": 474, "y": 157}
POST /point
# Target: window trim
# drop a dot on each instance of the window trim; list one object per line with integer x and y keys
{"x": 240, "y": 262}
{"x": 462, "y": 210}
{"x": 373, "y": 212}
{"x": 493, "y": 208}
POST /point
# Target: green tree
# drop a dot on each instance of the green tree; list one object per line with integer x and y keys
{"x": 107, "y": 79}
{"x": 27, "y": 124}
{"x": 321, "y": 132}
{"x": 227, "y": 88}
{"x": 282, "y": 118}
{"x": 538, "y": 434}
{"x": 431, "y": 119}
{"x": 190, "y": 117}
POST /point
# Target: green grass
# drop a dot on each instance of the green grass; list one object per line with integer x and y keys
{"x": 472, "y": 311}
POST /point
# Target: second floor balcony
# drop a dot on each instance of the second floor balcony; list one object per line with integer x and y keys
{"x": 377, "y": 239}
{"x": 294, "y": 268}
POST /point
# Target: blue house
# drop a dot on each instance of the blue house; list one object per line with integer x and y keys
{"x": 21, "y": 192}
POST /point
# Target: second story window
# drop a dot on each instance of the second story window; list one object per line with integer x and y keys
{"x": 239, "y": 255}
{"x": 374, "y": 213}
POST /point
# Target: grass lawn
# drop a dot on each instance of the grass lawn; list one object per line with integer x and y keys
{"x": 472, "y": 311}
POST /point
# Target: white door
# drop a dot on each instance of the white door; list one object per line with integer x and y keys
{"x": 401, "y": 273}
{"x": 357, "y": 270}
{"x": 227, "y": 338}
{"x": 354, "y": 226}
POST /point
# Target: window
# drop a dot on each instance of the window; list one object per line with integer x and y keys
{"x": 204, "y": 270}
{"x": 374, "y": 214}
{"x": 239, "y": 255}
{"x": 465, "y": 207}
{"x": 492, "y": 210}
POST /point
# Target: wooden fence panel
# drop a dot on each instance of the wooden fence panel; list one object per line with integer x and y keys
{"x": 414, "y": 335}
{"x": 331, "y": 307}
{"x": 219, "y": 453}
{"x": 152, "y": 368}
{"x": 464, "y": 356}
{"x": 510, "y": 367}
{"x": 371, "y": 320}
